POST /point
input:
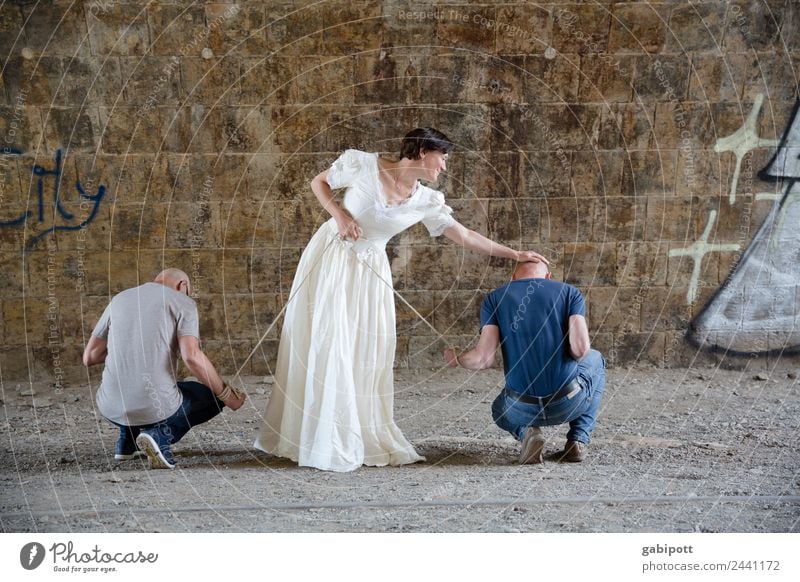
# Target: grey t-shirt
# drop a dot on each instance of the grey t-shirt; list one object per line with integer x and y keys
{"x": 142, "y": 326}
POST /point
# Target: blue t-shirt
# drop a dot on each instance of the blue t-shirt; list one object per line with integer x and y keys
{"x": 533, "y": 317}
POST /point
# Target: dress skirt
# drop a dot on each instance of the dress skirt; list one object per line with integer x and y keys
{"x": 333, "y": 396}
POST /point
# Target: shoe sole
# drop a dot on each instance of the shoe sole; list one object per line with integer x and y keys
{"x": 532, "y": 451}
{"x": 566, "y": 459}
{"x": 131, "y": 457}
{"x": 157, "y": 460}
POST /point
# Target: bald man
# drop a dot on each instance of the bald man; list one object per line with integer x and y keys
{"x": 138, "y": 337}
{"x": 552, "y": 374}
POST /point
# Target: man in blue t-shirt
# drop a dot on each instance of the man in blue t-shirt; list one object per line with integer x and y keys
{"x": 552, "y": 374}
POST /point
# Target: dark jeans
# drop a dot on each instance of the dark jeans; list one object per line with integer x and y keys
{"x": 579, "y": 411}
{"x": 199, "y": 406}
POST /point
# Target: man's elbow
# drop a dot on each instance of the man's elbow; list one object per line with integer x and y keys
{"x": 89, "y": 357}
{"x": 193, "y": 360}
{"x": 487, "y": 361}
{"x": 580, "y": 351}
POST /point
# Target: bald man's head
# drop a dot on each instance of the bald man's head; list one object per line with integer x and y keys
{"x": 531, "y": 270}
{"x": 174, "y": 279}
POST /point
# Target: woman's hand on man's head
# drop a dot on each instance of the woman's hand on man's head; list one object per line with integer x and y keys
{"x": 531, "y": 257}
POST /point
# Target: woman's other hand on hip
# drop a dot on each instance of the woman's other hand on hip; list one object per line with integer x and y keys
{"x": 348, "y": 227}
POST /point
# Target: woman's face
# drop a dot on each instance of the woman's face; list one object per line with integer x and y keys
{"x": 434, "y": 163}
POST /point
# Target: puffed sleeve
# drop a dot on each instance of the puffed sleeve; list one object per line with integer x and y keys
{"x": 438, "y": 215}
{"x": 345, "y": 169}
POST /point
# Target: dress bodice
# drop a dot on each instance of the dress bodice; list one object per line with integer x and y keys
{"x": 364, "y": 200}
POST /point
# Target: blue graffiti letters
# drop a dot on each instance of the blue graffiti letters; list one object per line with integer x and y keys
{"x": 56, "y": 209}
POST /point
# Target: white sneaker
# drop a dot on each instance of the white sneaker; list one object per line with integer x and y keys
{"x": 158, "y": 458}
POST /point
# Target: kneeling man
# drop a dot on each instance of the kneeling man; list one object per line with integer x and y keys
{"x": 552, "y": 376}
{"x": 138, "y": 337}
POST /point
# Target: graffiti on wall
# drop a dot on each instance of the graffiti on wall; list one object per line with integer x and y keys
{"x": 757, "y": 309}
{"x": 44, "y": 210}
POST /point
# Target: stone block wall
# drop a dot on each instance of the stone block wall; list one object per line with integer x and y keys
{"x": 142, "y": 135}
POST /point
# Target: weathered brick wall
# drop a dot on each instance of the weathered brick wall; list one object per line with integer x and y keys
{"x": 585, "y": 130}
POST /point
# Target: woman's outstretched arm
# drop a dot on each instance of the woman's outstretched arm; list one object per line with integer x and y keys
{"x": 473, "y": 241}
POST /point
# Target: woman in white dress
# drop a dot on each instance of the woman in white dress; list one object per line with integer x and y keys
{"x": 332, "y": 401}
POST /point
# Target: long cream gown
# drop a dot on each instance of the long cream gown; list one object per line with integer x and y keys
{"x": 332, "y": 401}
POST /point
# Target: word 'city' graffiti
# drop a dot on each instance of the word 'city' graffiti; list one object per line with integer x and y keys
{"x": 55, "y": 208}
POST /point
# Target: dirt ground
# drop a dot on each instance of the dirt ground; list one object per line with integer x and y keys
{"x": 699, "y": 450}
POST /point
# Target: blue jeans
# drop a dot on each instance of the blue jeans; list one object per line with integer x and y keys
{"x": 580, "y": 411}
{"x": 199, "y": 405}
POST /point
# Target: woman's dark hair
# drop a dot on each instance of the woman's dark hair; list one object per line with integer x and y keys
{"x": 424, "y": 138}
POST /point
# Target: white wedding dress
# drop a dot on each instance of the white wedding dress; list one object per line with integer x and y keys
{"x": 332, "y": 401}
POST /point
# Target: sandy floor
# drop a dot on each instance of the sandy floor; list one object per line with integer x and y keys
{"x": 674, "y": 451}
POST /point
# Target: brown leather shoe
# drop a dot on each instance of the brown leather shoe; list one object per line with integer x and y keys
{"x": 532, "y": 446}
{"x": 574, "y": 452}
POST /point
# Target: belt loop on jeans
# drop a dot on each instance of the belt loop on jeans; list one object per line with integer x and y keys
{"x": 569, "y": 390}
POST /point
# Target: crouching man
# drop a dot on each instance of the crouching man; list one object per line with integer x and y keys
{"x": 138, "y": 337}
{"x": 552, "y": 376}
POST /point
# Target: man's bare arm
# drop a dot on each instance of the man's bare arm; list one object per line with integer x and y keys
{"x": 202, "y": 368}
{"x": 579, "y": 344}
{"x": 481, "y": 356}
{"x": 95, "y": 352}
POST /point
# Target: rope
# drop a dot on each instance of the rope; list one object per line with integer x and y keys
{"x": 411, "y": 307}
{"x": 277, "y": 317}
{"x": 283, "y": 309}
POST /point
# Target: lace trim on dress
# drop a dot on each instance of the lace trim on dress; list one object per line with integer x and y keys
{"x": 382, "y": 208}
{"x": 367, "y": 251}
{"x": 362, "y": 249}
